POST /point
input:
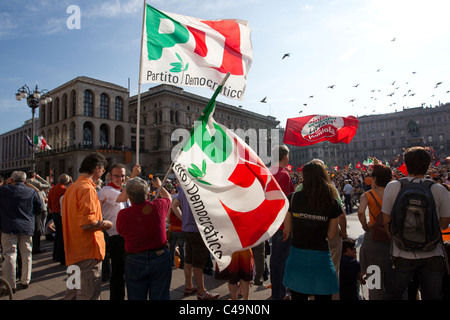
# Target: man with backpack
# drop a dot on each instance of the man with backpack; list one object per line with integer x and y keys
{"x": 415, "y": 210}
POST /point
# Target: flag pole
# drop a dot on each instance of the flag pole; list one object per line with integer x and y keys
{"x": 138, "y": 112}
{"x": 204, "y": 113}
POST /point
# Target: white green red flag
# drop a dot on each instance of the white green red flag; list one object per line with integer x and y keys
{"x": 234, "y": 198}
{"x": 308, "y": 130}
{"x": 40, "y": 142}
{"x": 186, "y": 51}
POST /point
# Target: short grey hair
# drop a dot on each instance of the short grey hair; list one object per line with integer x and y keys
{"x": 19, "y": 176}
{"x": 64, "y": 178}
{"x": 137, "y": 190}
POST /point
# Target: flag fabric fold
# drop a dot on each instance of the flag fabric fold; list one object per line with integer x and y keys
{"x": 29, "y": 140}
{"x": 188, "y": 51}
{"x": 308, "y": 130}
{"x": 234, "y": 198}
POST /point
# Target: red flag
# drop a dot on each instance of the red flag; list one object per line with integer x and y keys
{"x": 289, "y": 167}
{"x": 304, "y": 131}
{"x": 358, "y": 165}
{"x": 403, "y": 170}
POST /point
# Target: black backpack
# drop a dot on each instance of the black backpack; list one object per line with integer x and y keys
{"x": 414, "y": 220}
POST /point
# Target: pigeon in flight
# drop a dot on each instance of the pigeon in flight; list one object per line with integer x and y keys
{"x": 264, "y": 100}
{"x": 437, "y": 84}
{"x": 286, "y": 55}
{"x": 311, "y": 97}
{"x": 331, "y": 87}
{"x": 393, "y": 40}
{"x": 356, "y": 85}
{"x": 352, "y": 100}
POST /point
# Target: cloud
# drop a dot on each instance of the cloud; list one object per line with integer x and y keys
{"x": 7, "y": 26}
{"x": 111, "y": 9}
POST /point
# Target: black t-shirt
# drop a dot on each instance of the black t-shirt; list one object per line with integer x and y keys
{"x": 309, "y": 227}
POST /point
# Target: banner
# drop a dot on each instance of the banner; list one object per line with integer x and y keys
{"x": 234, "y": 198}
{"x": 186, "y": 51}
{"x": 308, "y": 130}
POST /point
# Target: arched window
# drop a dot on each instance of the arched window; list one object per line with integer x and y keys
{"x": 158, "y": 139}
{"x": 88, "y": 137}
{"x": 104, "y": 134}
{"x": 64, "y": 102}
{"x": 56, "y": 109}
{"x": 104, "y": 106}
{"x": 72, "y": 133}
{"x": 42, "y": 117}
{"x": 118, "y": 114}
{"x": 88, "y": 103}
{"x": 50, "y": 112}
{"x": 73, "y": 102}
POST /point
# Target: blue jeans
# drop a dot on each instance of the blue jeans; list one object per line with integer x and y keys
{"x": 278, "y": 257}
{"x": 429, "y": 272}
{"x": 148, "y": 274}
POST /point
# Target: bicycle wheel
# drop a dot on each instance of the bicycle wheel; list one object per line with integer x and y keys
{"x": 5, "y": 289}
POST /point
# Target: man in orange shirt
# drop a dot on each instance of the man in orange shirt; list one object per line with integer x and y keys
{"x": 84, "y": 241}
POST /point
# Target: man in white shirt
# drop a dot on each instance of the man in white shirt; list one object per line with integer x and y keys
{"x": 113, "y": 200}
{"x": 429, "y": 267}
{"x": 347, "y": 190}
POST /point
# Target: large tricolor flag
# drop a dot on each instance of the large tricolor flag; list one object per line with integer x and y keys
{"x": 308, "y": 130}
{"x": 234, "y": 198}
{"x": 187, "y": 51}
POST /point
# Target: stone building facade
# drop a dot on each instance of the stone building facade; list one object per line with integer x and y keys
{"x": 88, "y": 115}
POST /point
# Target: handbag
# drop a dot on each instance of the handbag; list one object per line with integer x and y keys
{"x": 377, "y": 229}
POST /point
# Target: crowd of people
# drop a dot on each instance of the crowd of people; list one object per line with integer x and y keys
{"x": 134, "y": 232}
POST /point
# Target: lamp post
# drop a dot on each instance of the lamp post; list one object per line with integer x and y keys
{"x": 34, "y": 99}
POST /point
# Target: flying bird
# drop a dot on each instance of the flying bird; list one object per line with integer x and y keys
{"x": 393, "y": 40}
{"x": 331, "y": 87}
{"x": 286, "y": 55}
{"x": 378, "y": 70}
{"x": 414, "y": 72}
{"x": 311, "y": 97}
{"x": 356, "y": 85}
{"x": 437, "y": 84}
{"x": 264, "y": 100}
{"x": 352, "y": 100}
{"x": 300, "y": 111}
{"x": 305, "y": 104}
{"x": 393, "y": 83}
{"x": 390, "y": 95}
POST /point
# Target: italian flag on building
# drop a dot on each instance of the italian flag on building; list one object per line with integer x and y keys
{"x": 234, "y": 198}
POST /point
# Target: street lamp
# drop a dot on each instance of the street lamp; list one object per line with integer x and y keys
{"x": 34, "y": 99}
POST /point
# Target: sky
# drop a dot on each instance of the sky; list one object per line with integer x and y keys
{"x": 380, "y": 55}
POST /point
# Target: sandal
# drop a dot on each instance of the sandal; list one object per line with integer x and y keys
{"x": 189, "y": 291}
